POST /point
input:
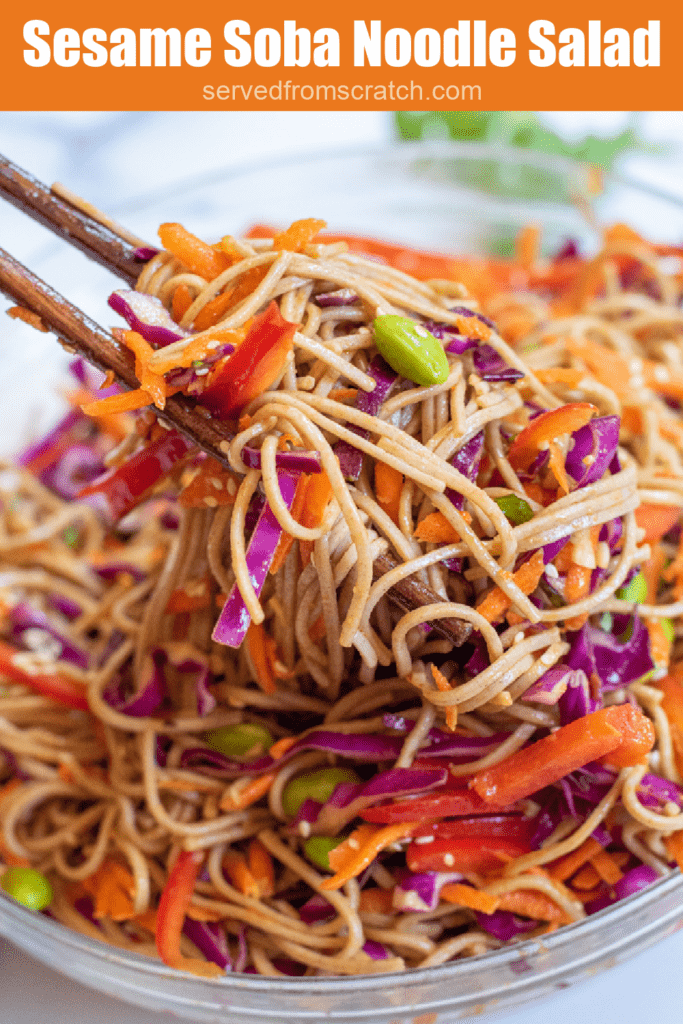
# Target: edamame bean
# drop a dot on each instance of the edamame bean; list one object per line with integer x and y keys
{"x": 319, "y": 785}
{"x": 245, "y": 740}
{"x": 317, "y": 849}
{"x": 515, "y": 509}
{"x": 28, "y": 887}
{"x": 410, "y": 349}
{"x": 636, "y": 591}
{"x": 668, "y": 629}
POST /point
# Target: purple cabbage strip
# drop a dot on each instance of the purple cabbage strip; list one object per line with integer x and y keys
{"x": 467, "y": 461}
{"x": 491, "y": 366}
{"x": 242, "y": 950}
{"x": 23, "y": 617}
{"x": 392, "y": 783}
{"x": 632, "y": 882}
{"x": 360, "y": 747}
{"x": 421, "y": 891}
{"x": 550, "y": 687}
{"x": 51, "y": 439}
{"x": 350, "y": 458}
{"x": 148, "y": 316}
{"x": 614, "y": 663}
{"x": 503, "y": 925}
{"x": 234, "y": 619}
{"x": 576, "y": 701}
{"x": 145, "y": 253}
{"x": 342, "y": 297}
{"x": 210, "y": 940}
{"x": 78, "y": 466}
{"x": 653, "y": 791}
{"x": 595, "y": 446}
{"x": 150, "y": 693}
{"x": 316, "y": 909}
{"x": 289, "y": 462}
{"x": 375, "y": 950}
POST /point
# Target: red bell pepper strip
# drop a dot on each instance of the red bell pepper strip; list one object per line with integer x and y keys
{"x": 54, "y": 685}
{"x": 252, "y": 367}
{"x": 460, "y": 802}
{"x": 546, "y": 428}
{"x": 121, "y": 489}
{"x": 469, "y": 854}
{"x": 616, "y": 731}
{"x": 495, "y": 826}
{"x": 173, "y": 904}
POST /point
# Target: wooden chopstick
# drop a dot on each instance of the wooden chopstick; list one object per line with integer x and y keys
{"x": 81, "y": 335}
{"x": 75, "y": 226}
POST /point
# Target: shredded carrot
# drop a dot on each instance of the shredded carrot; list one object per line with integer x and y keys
{"x": 557, "y": 467}
{"x": 280, "y": 747}
{"x": 263, "y": 654}
{"x": 185, "y": 785}
{"x": 181, "y": 302}
{"x": 578, "y": 583}
{"x": 299, "y": 234}
{"x": 361, "y": 848}
{"x": 466, "y": 896}
{"x": 567, "y": 866}
{"x": 245, "y": 792}
{"x": 199, "y": 257}
{"x": 674, "y": 572}
{"x": 560, "y": 375}
{"x": 436, "y": 529}
{"x": 473, "y": 327}
{"x": 672, "y": 706}
{"x": 297, "y": 510}
{"x": 237, "y": 870}
{"x": 212, "y": 312}
{"x": 376, "y": 901}
{"x": 262, "y": 868}
{"x": 388, "y": 487}
{"x": 607, "y": 868}
{"x": 527, "y": 578}
{"x": 657, "y": 520}
{"x": 112, "y": 887}
{"x": 660, "y": 642}
{"x": 674, "y": 846}
{"x": 193, "y": 595}
{"x": 343, "y": 394}
{"x": 28, "y": 317}
{"x": 151, "y": 382}
{"x": 586, "y": 879}
{"x": 125, "y": 402}
{"x": 530, "y": 903}
{"x": 443, "y": 685}
{"x": 527, "y": 246}
{"x": 318, "y": 496}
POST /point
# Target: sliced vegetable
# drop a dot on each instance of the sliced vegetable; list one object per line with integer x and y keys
{"x": 198, "y": 257}
{"x": 514, "y": 508}
{"x": 527, "y": 578}
{"x": 545, "y": 429}
{"x": 247, "y": 740}
{"x": 28, "y": 887}
{"x": 148, "y": 316}
{"x": 358, "y": 851}
{"x": 656, "y": 520}
{"x": 478, "y": 854}
{"x": 55, "y": 685}
{"x": 410, "y": 349}
{"x": 252, "y": 368}
{"x": 121, "y": 489}
{"x": 317, "y": 849}
{"x": 318, "y": 785}
{"x": 173, "y": 905}
{"x": 621, "y": 731}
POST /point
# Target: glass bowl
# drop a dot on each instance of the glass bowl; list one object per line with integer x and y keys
{"x": 447, "y": 197}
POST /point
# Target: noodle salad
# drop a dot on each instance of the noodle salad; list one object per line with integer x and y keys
{"x": 230, "y": 738}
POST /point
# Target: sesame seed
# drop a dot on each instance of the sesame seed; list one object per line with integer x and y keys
{"x": 353, "y": 843}
{"x": 423, "y": 840}
{"x": 224, "y": 447}
{"x": 551, "y": 570}
{"x": 449, "y": 860}
{"x": 210, "y": 501}
{"x": 518, "y": 637}
{"x": 305, "y": 829}
{"x": 231, "y": 486}
{"x": 420, "y": 331}
{"x": 213, "y": 344}
{"x": 215, "y": 482}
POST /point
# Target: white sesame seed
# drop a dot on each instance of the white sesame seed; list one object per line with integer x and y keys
{"x": 551, "y": 570}
{"x": 353, "y": 843}
{"x": 449, "y": 860}
{"x": 518, "y": 637}
{"x": 671, "y": 809}
{"x": 305, "y": 829}
{"x": 423, "y": 840}
{"x": 420, "y": 331}
{"x": 211, "y": 501}
{"x": 213, "y": 344}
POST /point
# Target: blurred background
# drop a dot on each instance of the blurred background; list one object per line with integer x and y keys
{"x": 116, "y": 159}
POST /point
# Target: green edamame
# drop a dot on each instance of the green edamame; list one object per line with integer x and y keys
{"x": 245, "y": 740}
{"x": 636, "y": 591}
{"x": 317, "y": 849}
{"x": 28, "y": 887}
{"x": 515, "y": 509}
{"x": 318, "y": 785}
{"x": 411, "y": 350}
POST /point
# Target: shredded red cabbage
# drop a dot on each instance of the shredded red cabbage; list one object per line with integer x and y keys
{"x": 148, "y": 316}
{"x": 209, "y": 938}
{"x": 289, "y": 461}
{"x": 594, "y": 447}
{"x": 150, "y": 693}
{"x": 350, "y": 458}
{"x": 420, "y": 892}
{"x": 24, "y": 617}
{"x": 234, "y": 619}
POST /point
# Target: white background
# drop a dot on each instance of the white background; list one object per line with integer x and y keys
{"x": 111, "y": 158}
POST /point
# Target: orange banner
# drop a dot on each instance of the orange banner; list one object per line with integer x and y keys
{"x": 65, "y": 54}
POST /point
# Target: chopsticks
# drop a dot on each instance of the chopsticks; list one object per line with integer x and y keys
{"x": 81, "y": 335}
